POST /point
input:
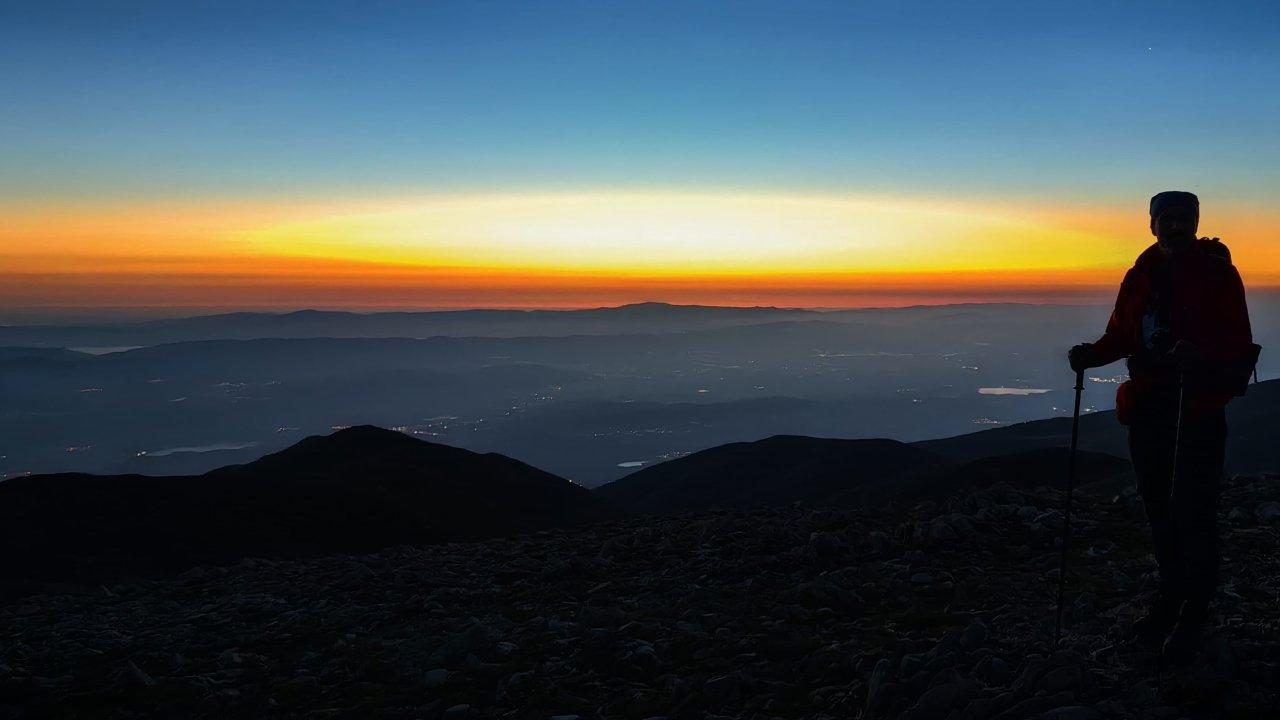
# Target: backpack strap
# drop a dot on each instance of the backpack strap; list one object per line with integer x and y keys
{"x": 1214, "y": 247}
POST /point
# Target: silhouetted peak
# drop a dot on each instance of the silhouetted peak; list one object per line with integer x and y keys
{"x": 657, "y": 308}
{"x": 355, "y": 446}
{"x": 367, "y": 437}
{"x": 806, "y": 441}
{"x": 314, "y": 314}
{"x": 368, "y": 434}
{"x": 648, "y": 307}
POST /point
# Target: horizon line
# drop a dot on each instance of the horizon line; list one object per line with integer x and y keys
{"x": 164, "y": 311}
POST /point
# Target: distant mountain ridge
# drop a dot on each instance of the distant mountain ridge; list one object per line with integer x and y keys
{"x": 641, "y": 317}
{"x": 637, "y": 317}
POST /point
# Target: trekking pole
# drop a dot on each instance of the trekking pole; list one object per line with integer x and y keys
{"x": 1177, "y": 440}
{"x": 1173, "y": 484}
{"x": 1066, "y": 516}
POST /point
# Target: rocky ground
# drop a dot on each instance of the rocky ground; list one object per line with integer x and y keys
{"x": 937, "y": 610}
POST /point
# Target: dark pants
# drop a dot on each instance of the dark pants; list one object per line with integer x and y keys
{"x": 1184, "y": 524}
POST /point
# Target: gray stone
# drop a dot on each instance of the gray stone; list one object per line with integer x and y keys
{"x": 941, "y": 532}
{"x": 132, "y": 675}
{"x": 1049, "y": 519}
{"x": 1223, "y": 657}
{"x": 974, "y": 635}
{"x": 1140, "y": 695}
{"x": 961, "y": 524}
{"x": 985, "y": 708}
{"x": 1037, "y": 704}
{"x": 1067, "y": 677}
{"x": 991, "y": 671}
{"x": 935, "y": 702}
{"x": 881, "y": 543}
{"x": 1070, "y": 712}
{"x": 1121, "y": 581}
{"x": 826, "y": 544}
{"x": 1268, "y": 512}
{"x": 948, "y": 676}
{"x": 473, "y": 640}
{"x": 721, "y": 689}
{"x": 435, "y": 678}
{"x": 876, "y": 686}
{"x": 1102, "y": 550}
{"x": 910, "y": 664}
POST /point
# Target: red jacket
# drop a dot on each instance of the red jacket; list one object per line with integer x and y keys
{"x": 1195, "y": 295}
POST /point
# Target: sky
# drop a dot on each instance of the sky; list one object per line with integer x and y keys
{"x": 565, "y": 154}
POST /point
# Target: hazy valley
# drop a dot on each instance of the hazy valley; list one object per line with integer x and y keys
{"x": 589, "y": 395}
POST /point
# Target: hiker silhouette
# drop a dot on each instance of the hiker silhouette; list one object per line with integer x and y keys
{"x": 1181, "y": 321}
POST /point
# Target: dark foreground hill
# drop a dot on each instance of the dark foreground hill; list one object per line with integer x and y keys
{"x": 357, "y": 490}
{"x": 844, "y": 473}
{"x": 1026, "y": 470}
{"x": 792, "y": 468}
{"x": 365, "y": 488}
{"x": 941, "y": 609}
{"x": 779, "y": 469}
{"x": 1253, "y": 421}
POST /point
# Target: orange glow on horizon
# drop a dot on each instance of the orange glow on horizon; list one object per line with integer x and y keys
{"x": 586, "y": 250}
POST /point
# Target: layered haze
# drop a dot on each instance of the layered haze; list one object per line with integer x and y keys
{"x": 590, "y": 395}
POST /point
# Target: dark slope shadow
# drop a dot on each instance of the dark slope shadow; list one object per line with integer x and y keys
{"x": 779, "y": 469}
{"x": 357, "y": 490}
{"x": 1253, "y": 422}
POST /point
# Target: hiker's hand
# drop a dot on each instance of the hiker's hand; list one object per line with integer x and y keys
{"x": 1186, "y": 355}
{"x": 1080, "y": 357}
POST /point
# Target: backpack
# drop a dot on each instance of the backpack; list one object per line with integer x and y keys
{"x": 1236, "y": 377}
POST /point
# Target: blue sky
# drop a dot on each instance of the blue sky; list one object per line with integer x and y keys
{"x": 1089, "y": 101}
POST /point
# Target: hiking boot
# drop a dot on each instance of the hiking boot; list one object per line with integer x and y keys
{"x": 1186, "y": 640}
{"x": 1152, "y": 629}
